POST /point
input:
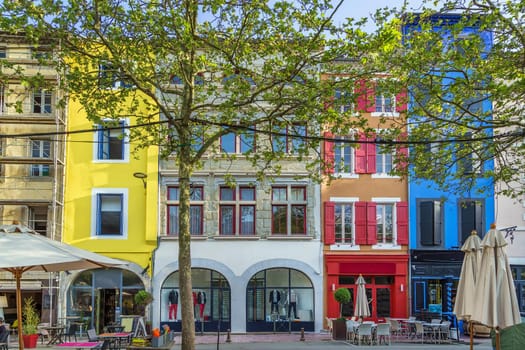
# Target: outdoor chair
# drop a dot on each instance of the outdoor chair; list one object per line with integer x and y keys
{"x": 444, "y": 332}
{"x": 364, "y": 332}
{"x": 420, "y": 332}
{"x": 43, "y": 334}
{"x": 329, "y": 324}
{"x": 383, "y": 333}
{"x": 435, "y": 320}
{"x": 92, "y": 337}
{"x": 71, "y": 332}
{"x": 351, "y": 330}
{"x": 395, "y": 328}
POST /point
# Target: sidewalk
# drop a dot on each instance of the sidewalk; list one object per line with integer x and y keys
{"x": 286, "y": 341}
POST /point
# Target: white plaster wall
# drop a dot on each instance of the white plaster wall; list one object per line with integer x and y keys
{"x": 238, "y": 261}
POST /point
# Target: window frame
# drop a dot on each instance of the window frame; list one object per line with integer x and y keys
{"x": 237, "y": 204}
{"x": 97, "y": 194}
{"x": 290, "y": 144}
{"x": 438, "y": 227}
{"x": 342, "y": 239}
{"x": 99, "y": 141}
{"x": 340, "y": 155}
{"x": 291, "y": 205}
{"x": 40, "y": 170}
{"x": 196, "y": 203}
{"x": 381, "y": 161}
{"x": 45, "y": 107}
{"x": 240, "y": 144}
{"x": 479, "y": 224}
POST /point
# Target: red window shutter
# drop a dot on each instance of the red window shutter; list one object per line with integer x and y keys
{"x": 328, "y": 154}
{"x": 360, "y": 222}
{"x": 360, "y": 91}
{"x": 371, "y": 97}
{"x": 371, "y": 156}
{"x": 371, "y": 223}
{"x": 360, "y": 155}
{"x": 402, "y": 222}
{"x": 329, "y": 223}
{"x": 401, "y": 101}
{"x": 402, "y": 150}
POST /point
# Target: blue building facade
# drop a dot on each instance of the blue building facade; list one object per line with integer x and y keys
{"x": 440, "y": 220}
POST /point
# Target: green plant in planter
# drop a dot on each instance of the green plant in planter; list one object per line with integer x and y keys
{"x": 342, "y": 296}
{"x": 143, "y": 298}
{"x": 30, "y": 317}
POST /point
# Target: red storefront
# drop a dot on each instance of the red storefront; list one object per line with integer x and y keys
{"x": 386, "y": 277}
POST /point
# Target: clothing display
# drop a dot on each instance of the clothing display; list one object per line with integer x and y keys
{"x": 292, "y": 304}
{"x": 173, "y": 302}
{"x": 275, "y": 297}
{"x": 201, "y": 300}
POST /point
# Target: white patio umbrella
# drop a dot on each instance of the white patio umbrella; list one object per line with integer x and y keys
{"x": 496, "y": 304}
{"x": 361, "y": 300}
{"x": 465, "y": 303}
{"x": 24, "y": 250}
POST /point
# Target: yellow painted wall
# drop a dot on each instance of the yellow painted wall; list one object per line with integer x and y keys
{"x": 83, "y": 174}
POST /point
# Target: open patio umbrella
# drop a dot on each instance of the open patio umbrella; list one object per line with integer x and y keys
{"x": 465, "y": 303}
{"x": 361, "y": 300}
{"x": 22, "y": 249}
{"x": 495, "y": 296}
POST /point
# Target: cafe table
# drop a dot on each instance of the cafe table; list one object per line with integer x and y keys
{"x": 81, "y": 345}
{"x": 56, "y": 334}
{"x": 115, "y": 338}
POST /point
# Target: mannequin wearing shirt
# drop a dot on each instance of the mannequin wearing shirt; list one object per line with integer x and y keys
{"x": 275, "y": 297}
{"x": 201, "y": 300}
{"x": 292, "y": 303}
{"x": 173, "y": 302}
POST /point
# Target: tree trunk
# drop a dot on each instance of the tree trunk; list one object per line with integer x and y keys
{"x": 185, "y": 284}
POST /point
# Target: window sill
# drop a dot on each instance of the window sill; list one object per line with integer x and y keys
{"x": 236, "y": 238}
{"x": 342, "y": 246}
{"x": 289, "y": 237}
{"x": 386, "y": 247}
{"x": 347, "y": 175}
{"x": 384, "y": 176}
{"x": 384, "y": 114}
{"x": 118, "y": 237}
{"x": 176, "y": 238}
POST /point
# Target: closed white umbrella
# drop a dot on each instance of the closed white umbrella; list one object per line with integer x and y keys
{"x": 361, "y": 301}
{"x": 465, "y": 302}
{"x": 24, "y": 250}
{"x": 495, "y": 295}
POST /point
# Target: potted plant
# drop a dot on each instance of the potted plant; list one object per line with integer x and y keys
{"x": 30, "y": 323}
{"x": 142, "y": 299}
{"x": 342, "y": 296}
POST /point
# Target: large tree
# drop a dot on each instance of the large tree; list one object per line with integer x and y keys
{"x": 466, "y": 86}
{"x": 189, "y": 72}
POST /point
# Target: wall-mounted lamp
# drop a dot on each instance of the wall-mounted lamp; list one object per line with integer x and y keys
{"x": 3, "y": 303}
{"x": 141, "y": 176}
{"x": 333, "y": 287}
{"x": 402, "y": 287}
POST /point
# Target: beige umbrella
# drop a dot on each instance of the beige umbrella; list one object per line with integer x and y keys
{"x": 495, "y": 296}
{"x": 361, "y": 300}
{"x": 465, "y": 303}
{"x": 24, "y": 250}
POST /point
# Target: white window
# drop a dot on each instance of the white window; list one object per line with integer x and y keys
{"x": 42, "y": 101}
{"x": 385, "y": 223}
{"x": 40, "y": 149}
{"x": 111, "y": 77}
{"x": 112, "y": 142}
{"x": 109, "y": 213}
{"x": 344, "y": 156}
{"x": 344, "y": 223}
{"x": 384, "y": 160}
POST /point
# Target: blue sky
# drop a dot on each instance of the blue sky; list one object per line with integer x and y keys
{"x": 364, "y": 8}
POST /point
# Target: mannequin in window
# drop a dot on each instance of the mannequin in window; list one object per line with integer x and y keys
{"x": 292, "y": 303}
{"x": 194, "y": 294}
{"x": 201, "y": 300}
{"x": 173, "y": 302}
{"x": 275, "y": 297}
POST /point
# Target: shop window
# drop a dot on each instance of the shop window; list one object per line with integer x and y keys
{"x": 211, "y": 293}
{"x": 279, "y": 295}
{"x": 196, "y": 210}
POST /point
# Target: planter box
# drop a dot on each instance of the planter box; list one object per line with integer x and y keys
{"x": 339, "y": 329}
